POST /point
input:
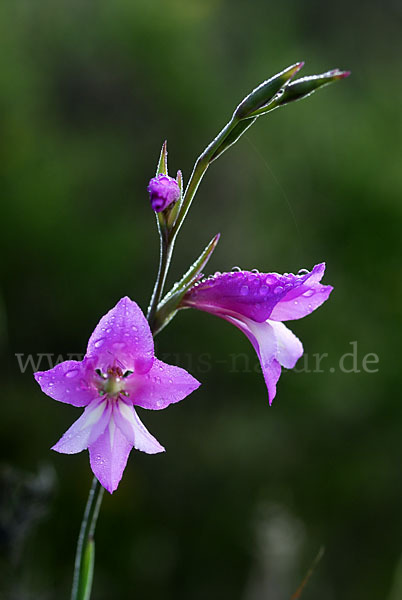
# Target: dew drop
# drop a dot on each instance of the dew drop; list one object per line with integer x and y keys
{"x": 308, "y": 293}
{"x": 303, "y": 271}
{"x": 118, "y": 345}
{"x": 278, "y": 289}
{"x": 72, "y": 373}
{"x": 217, "y": 273}
{"x": 255, "y": 271}
{"x": 108, "y": 330}
{"x": 244, "y": 290}
{"x": 236, "y": 269}
{"x": 264, "y": 289}
{"x": 99, "y": 343}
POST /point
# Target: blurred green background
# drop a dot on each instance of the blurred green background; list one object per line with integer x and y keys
{"x": 246, "y": 494}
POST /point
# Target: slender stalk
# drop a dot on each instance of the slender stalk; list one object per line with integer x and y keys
{"x": 82, "y": 582}
{"x": 199, "y": 170}
{"x": 165, "y": 257}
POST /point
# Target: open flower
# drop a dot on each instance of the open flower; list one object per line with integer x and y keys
{"x": 118, "y": 372}
{"x": 257, "y": 303}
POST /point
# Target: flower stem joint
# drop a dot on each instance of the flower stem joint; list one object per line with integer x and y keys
{"x": 163, "y": 191}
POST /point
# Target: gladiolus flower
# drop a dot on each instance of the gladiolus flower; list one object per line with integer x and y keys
{"x": 163, "y": 191}
{"x": 257, "y": 303}
{"x": 118, "y": 372}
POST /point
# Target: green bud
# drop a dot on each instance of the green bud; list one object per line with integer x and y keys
{"x": 265, "y": 92}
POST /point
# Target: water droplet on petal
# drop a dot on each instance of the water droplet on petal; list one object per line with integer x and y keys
{"x": 236, "y": 269}
{"x": 255, "y": 271}
{"x": 244, "y": 290}
{"x": 108, "y": 330}
{"x": 72, "y": 373}
{"x": 118, "y": 345}
{"x": 278, "y": 289}
{"x": 217, "y": 273}
{"x": 303, "y": 271}
{"x": 264, "y": 289}
{"x": 99, "y": 343}
{"x": 308, "y": 293}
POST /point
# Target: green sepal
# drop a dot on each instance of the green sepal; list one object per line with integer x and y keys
{"x": 304, "y": 87}
{"x": 162, "y": 163}
{"x": 168, "y": 307}
{"x": 232, "y": 138}
{"x": 265, "y": 92}
{"x": 174, "y": 208}
{"x": 86, "y": 576}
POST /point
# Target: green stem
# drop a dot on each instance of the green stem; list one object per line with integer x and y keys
{"x": 165, "y": 257}
{"x": 200, "y": 167}
{"x": 82, "y": 580}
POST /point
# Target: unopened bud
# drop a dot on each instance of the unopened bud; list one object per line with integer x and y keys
{"x": 163, "y": 191}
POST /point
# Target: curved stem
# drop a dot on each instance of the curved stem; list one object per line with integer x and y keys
{"x": 82, "y": 579}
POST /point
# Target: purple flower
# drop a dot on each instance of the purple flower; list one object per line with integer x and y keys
{"x": 163, "y": 190}
{"x": 118, "y": 372}
{"x": 257, "y": 303}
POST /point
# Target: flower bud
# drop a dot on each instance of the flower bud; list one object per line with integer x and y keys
{"x": 163, "y": 191}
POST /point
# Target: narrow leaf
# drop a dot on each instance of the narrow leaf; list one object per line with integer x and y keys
{"x": 162, "y": 164}
{"x": 169, "y": 305}
{"x": 265, "y": 92}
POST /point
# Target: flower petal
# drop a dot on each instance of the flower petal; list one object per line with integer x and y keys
{"x": 68, "y": 382}
{"x": 130, "y": 425}
{"x": 304, "y": 299}
{"x": 163, "y": 385}
{"x": 289, "y": 347}
{"x": 108, "y": 456}
{"x": 257, "y": 295}
{"x": 123, "y": 337}
{"x": 86, "y": 429}
{"x": 263, "y": 338}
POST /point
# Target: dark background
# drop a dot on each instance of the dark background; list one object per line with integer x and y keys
{"x": 245, "y": 495}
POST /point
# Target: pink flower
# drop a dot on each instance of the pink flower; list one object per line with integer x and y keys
{"x": 118, "y": 372}
{"x": 257, "y": 303}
